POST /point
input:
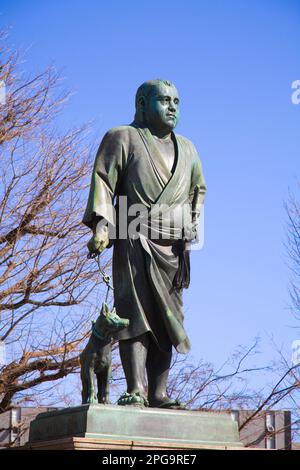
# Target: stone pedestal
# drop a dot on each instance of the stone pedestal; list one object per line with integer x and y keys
{"x": 132, "y": 427}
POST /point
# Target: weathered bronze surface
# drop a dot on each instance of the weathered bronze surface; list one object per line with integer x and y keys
{"x": 152, "y": 166}
{"x": 95, "y": 359}
{"x": 134, "y": 426}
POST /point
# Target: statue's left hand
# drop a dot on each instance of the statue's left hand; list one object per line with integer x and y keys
{"x": 99, "y": 241}
{"x": 191, "y": 231}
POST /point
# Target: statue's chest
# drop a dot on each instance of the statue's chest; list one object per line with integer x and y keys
{"x": 167, "y": 150}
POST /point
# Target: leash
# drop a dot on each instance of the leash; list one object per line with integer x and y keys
{"x": 105, "y": 276}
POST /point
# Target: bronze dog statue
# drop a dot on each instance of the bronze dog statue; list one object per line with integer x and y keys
{"x": 95, "y": 359}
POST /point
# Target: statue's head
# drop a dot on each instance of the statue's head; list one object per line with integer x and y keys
{"x": 157, "y": 105}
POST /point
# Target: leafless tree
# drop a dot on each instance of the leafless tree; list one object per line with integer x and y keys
{"x": 232, "y": 387}
{"x": 204, "y": 387}
{"x": 293, "y": 250}
{"x": 47, "y": 286}
{"x": 44, "y": 273}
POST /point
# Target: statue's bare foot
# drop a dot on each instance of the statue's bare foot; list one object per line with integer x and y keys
{"x": 91, "y": 400}
{"x": 166, "y": 403}
{"x": 133, "y": 399}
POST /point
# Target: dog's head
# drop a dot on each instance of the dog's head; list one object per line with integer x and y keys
{"x": 109, "y": 322}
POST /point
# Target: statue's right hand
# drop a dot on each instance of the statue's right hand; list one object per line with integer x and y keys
{"x": 99, "y": 241}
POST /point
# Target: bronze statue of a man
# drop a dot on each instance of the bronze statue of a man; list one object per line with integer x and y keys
{"x": 161, "y": 173}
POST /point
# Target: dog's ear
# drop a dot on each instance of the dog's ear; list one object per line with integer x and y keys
{"x": 104, "y": 309}
{"x": 113, "y": 312}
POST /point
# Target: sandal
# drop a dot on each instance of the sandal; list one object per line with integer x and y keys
{"x": 168, "y": 404}
{"x": 133, "y": 399}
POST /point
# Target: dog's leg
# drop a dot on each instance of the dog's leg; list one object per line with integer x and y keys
{"x": 87, "y": 361}
{"x": 88, "y": 388}
{"x": 103, "y": 385}
{"x": 84, "y": 392}
{"x": 106, "y": 385}
{"x": 84, "y": 357}
{"x": 91, "y": 384}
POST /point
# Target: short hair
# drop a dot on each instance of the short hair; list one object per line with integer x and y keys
{"x": 147, "y": 88}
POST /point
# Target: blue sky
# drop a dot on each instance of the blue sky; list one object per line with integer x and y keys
{"x": 233, "y": 63}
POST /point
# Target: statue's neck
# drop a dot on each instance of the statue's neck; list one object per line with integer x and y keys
{"x": 160, "y": 133}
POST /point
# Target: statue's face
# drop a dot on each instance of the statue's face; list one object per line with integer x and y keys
{"x": 162, "y": 108}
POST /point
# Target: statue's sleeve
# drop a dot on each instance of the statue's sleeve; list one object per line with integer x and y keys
{"x": 108, "y": 168}
{"x": 198, "y": 186}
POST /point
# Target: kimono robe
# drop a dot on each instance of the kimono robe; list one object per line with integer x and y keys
{"x": 128, "y": 163}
